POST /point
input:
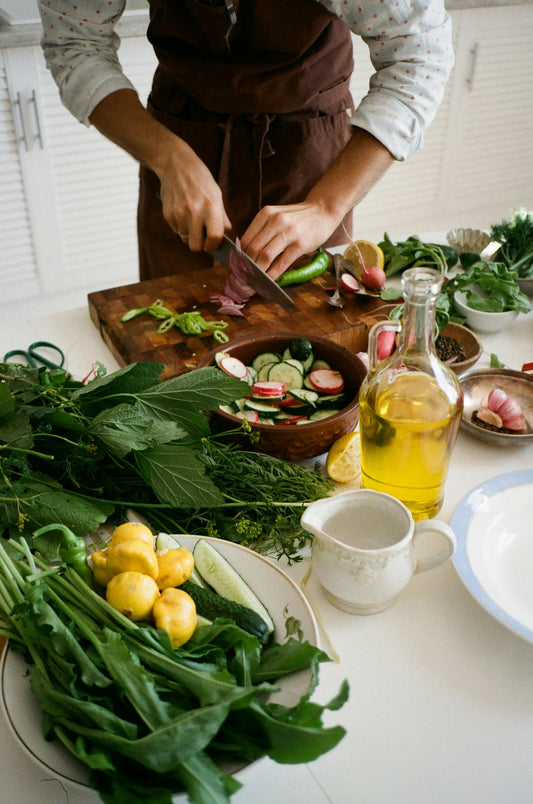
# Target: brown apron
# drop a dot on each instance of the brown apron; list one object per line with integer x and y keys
{"x": 264, "y": 106}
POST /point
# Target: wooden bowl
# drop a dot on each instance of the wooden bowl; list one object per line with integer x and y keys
{"x": 470, "y": 343}
{"x": 292, "y": 441}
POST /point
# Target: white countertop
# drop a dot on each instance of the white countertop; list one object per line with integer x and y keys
{"x": 441, "y": 698}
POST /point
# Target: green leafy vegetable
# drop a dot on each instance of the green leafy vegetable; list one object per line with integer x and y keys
{"x": 146, "y": 719}
{"x": 489, "y": 286}
{"x": 413, "y": 252}
{"x": 516, "y": 238}
{"x": 82, "y": 454}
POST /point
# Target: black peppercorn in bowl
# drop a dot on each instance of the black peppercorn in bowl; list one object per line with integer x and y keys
{"x": 458, "y": 347}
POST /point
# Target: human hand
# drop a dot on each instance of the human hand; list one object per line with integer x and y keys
{"x": 192, "y": 200}
{"x": 279, "y": 235}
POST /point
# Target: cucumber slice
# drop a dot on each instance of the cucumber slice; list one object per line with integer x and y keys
{"x": 224, "y": 579}
{"x": 265, "y": 357}
{"x": 305, "y": 395}
{"x": 262, "y": 374}
{"x": 262, "y": 408}
{"x": 298, "y": 363}
{"x": 289, "y": 375}
{"x": 319, "y": 364}
{"x": 323, "y": 414}
{"x": 251, "y": 375}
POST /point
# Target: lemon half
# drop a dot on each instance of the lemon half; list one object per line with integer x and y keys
{"x": 364, "y": 252}
{"x": 343, "y": 462}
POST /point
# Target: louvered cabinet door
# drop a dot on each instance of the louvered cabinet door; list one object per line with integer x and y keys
{"x": 491, "y": 133}
{"x": 75, "y": 191}
{"x": 18, "y": 265}
{"x": 95, "y": 185}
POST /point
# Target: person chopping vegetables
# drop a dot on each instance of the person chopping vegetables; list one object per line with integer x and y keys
{"x": 250, "y": 127}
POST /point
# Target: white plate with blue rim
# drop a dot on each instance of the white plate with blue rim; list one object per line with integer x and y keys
{"x": 286, "y": 603}
{"x": 494, "y": 554}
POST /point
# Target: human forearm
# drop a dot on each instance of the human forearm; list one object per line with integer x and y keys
{"x": 191, "y": 199}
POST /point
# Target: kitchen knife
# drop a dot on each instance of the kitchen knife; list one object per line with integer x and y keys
{"x": 253, "y": 275}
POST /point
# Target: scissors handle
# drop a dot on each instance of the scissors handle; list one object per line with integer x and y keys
{"x": 34, "y": 357}
{"x": 38, "y": 357}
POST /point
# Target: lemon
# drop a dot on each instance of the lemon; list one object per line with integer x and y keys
{"x": 343, "y": 462}
{"x": 364, "y": 253}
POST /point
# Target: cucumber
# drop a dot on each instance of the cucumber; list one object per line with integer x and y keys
{"x": 265, "y": 357}
{"x": 298, "y": 363}
{"x": 224, "y": 579}
{"x": 323, "y": 414}
{"x": 262, "y": 374}
{"x": 210, "y": 605}
{"x": 305, "y": 395}
{"x": 300, "y": 348}
{"x": 289, "y": 375}
{"x": 263, "y": 408}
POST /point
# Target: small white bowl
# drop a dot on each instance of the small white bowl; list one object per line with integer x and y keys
{"x": 480, "y": 320}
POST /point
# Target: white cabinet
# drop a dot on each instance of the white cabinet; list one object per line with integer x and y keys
{"x": 69, "y": 197}
{"x": 477, "y": 162}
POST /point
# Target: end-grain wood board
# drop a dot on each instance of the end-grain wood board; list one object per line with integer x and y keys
{"x": 138, "y": 339}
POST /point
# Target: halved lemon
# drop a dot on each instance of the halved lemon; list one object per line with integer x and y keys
{"x": 343, "y": 462}
{"x": 364, "y": 252}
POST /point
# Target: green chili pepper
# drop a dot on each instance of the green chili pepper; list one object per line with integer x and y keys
{"x": 220, "y": 336}
{"x": 167, "y": 323}
{"x": 133, "y": 313}
{"x": 316, "y": 267}
{"x": 69, "y": 547}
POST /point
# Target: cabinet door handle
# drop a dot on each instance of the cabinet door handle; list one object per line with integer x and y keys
{"x": 17, "y": 104}
{"x": 39, "y": 134}
{"x": 473, "y": 62}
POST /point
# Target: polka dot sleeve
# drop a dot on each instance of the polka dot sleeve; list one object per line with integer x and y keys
{"x": 80, "y": 48}
{"x": 410, "y": 45}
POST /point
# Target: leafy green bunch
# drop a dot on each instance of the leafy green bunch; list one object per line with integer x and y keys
{"x": 516, "y": 237}
{"x": 82, "y": 454}
{"x": 490, "y": 287}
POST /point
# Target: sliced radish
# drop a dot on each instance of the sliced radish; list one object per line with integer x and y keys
{"x": 290, "y": 420}
{"x": 251, "y": 415}
{"x": 290, "y": 402}
{"x": 349, "y": 282}
{"x": 232, "y": 366}
{"x": 327, "y": 380}
{"x": 268, "y": 388}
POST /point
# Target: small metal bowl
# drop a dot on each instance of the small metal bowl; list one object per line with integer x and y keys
{"x": 476, "y": 387}
{"x": 525, "y": 285}
{"x": 473, "y": 241}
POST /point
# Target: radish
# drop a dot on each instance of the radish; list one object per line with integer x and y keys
{"x": 251, "y": 415}
{"x": 327, "y": 380}
{"x": 231, "y": 365}
{"x": 373, "y": 278}
{"x": 349, "y": 282}
{"x": 268, "y": 388}
{"x": 290, "y": 420}
{"x": 386, "y": 342}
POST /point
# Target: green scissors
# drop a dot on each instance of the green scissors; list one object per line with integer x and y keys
{"x": 34, "y": 357}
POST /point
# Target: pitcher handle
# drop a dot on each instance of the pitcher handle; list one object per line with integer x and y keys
{"x": 434, "y": 526}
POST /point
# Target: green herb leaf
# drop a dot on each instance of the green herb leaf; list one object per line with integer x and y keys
{"x": 129, "y": 427}
{"x": 178, "y": 477}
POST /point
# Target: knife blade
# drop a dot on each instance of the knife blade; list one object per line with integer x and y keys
{"x": 253, "y": 275}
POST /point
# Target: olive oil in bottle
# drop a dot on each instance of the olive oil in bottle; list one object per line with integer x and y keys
{"x": 410, "y": 405}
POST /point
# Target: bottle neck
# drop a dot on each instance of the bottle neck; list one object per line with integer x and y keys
{"x": 418, "y": 325}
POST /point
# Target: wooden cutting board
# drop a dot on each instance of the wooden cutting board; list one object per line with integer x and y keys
{"x": 138, "y": 339}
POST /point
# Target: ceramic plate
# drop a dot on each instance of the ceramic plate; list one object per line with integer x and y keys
{"x": 279, "y": 593}
{"x": 494, "y": 555}
{"x": 476, "y": 386}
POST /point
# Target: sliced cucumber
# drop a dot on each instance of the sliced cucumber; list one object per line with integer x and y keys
{"x": 224, "y": 579}
{"x": 319, "y": 364}
{"x": 305, "y": 395}
{"x": 262, "y": 374}
{"x": 265, "y": 357}
{"x": 289, "y": 375}
{"x": 251, "y": 375}
{"x": 323, "y": 414}
{"x": 262, "y": 408}
{"x": 298, "y": 363}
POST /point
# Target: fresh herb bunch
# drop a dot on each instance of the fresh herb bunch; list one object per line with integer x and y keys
{"x": 148, "y": 720}
{"x": 489, "y": 286}
{"x": 82, "y": 454}
{"x": 413, "y": 252}
{"x": 516, "y": 238}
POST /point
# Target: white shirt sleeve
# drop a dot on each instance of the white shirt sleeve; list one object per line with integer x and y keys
{"x": 80, "y": 49}
{"x": 410, "y": 44}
